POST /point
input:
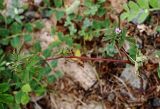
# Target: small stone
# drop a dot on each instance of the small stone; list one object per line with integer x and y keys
{"x": 92, "y": 105}
{"x": 37, "y": 2}
{"x": 156, "y": 102}
{"x": 111, "y": 97}
{"x": 85, "y": 75}
{"x": 30, "y": 14}
{"x": 133, "y": 79}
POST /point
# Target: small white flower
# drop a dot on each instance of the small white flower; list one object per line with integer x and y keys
{"x": 16, "y": 11}
{"x": 118, "y": 30}
{"x": 7, "y": 64}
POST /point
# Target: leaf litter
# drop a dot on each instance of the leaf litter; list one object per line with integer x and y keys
{"x": 107, "y": 87}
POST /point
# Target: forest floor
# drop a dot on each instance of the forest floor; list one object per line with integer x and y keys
{"x": 90, "y": 84}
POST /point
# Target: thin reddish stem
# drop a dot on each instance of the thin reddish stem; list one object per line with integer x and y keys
{"x": 88, "y": 58}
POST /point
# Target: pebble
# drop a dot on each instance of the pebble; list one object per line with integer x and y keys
{"x": 133, "y": 79}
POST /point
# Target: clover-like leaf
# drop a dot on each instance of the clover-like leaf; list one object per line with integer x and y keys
{"x": 110, "y": 50}
{"x": 154, "y": 3}
{"x": 58, "y": 3}
{"x": 26, "y": 88}
{"x": 27, "y": 37}
{"x": 18, "y": 97}
{"x": 133, "y": 6}
{"x": 143, "y": 16}
{"x": 4, "y": 87}
{"x": 124, "y": 15}
{"x": 136, "y": 12}
{"x": 24, "y": 98}
{"x": 6, "y": 98}
{"x": 143, "y": 4}
{"x": 15, "y": 42}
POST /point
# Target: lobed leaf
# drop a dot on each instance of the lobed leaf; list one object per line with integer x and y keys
{"x": 4, "y": 87}
{"x": 154, "y": 3}
{"x": 143, "y": 4}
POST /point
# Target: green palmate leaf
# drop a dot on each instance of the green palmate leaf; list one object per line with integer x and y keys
{"x": 25, "y": 76}
{"x": 55, "y": 44}
{"x": 133, "y": 6}
{"x": 92, "y": 10}
{"x": 53, "y": 78}
{"x": 154, "y": 3}
{"x": 88, "y": 3}
{"x": 54, "y": 63}
{"x": 40, "y": 91}
{"x": 26, "y": 88}
{"x": 139, "y": 11}
{"x": 47, "y": 52}
{"x": 46, "y": 13}
{"x": 15, "y": 42}
{"x": 124, "y": 15}
{"x": 97, "y": 24}
{"x": 86, "y": 23}
{"x": 60, "y": 36}
{"x": 4, "y": 32}
{"x": 4, "y": 87}
{"x": 101, "y": 11}
{"x": 29, "y": 27}
{"x": 111, "y": 50}
{"x": 15, "y": 106}
{"x": 58, "y": 3}
{"x": 143, "y": 3}
{"x": 16, "y": 28}
{"x": 72, "y": 29}
{"x": 6, "y": 98}
{"x": 27, "y": 37}
{"x": 24, "y": 98}
{"x": 38, "y": 24}
{"x": 132, "y": 15}
{"x": 126, "y": 8}
{"x": 59, "y": 15}
{"x": 37, "y": 47}
{"x": 9, "y": 20}
{"x": 18, "y": 18}
{"x": 106, "y": 23}
{"x": 143, "y": 16}
{"x": 47, "y": 2}
{"x": 18, "y": 97}
{"x": 68, "y": 40}
{"x": 136, "y": 14}
{"x": 47, "y": 70}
